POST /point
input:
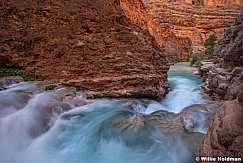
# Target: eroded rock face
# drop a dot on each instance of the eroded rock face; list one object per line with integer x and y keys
{"x": 193, "y": 20}
{"x": 170, "y": 43}
{"x": 221, "y": 2}
{"x": 225, "y": 135}
{"x": 229, "y": 50}
{"x": 224, "y": 81}
{"x": 90, "y": 44}
{"x": 203, "y": 2}
{"x": 224, "y": 73}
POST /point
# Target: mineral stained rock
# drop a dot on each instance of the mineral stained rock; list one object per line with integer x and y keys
{"x": 91, "y": 44}
{"x": 191, "y": 21}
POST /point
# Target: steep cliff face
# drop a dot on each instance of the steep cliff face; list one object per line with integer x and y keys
{"x": 224, "y": 74}
{"x": 193, "y": 20}
{"x": 90, "y": 44}
{"x": 229, "y": 50}
{"x": 224, "y": 138}
{"x": 170, "y": 43}
{"x": 222, "y": 2}
{"x": 224, "y": 79}
{"x": 204, "y": 2}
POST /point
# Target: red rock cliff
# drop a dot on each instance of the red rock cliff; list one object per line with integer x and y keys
{"x": 165, "y": 37}
{"x": 91, "y": 44}
{"x": 193, "y": 20}
{"x": 222, "y": 2}
{"x": 225, "y": 80}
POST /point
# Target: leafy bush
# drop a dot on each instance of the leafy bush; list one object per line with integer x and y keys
{"x": 191, "y": 51}
{"x": 209, "y": 45}
{"x": 171, "y": 60}
{"x": 198, "y": 57}
{"x": 16, "y": 72}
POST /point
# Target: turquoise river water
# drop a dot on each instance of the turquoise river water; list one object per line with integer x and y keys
{"x": 99, "y": 132}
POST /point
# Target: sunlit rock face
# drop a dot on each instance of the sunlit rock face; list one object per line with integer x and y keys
{"x": 89, "y": 44}
{"x": 203, "y": 2}
{"x": 194, "y": 20}
{"x": 222, "y": 2}
{"x": 165, "y": 37}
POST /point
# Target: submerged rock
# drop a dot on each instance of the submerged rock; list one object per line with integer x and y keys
{"x": 6, "y": 81}
{"x": 197, "y": 117}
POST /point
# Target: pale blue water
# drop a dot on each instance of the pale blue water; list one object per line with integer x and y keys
{"x": 95, "y": 133}
{"x": 185, "y": 89}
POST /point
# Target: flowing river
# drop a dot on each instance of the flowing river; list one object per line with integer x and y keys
{"x": 38, "y": 125}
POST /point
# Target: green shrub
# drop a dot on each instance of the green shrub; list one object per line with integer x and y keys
{"x": 171, "y": 60}
{"x": 209, "y": 45}
{"x": 191, "y": 51}
{"x": 198, "y": 57}
{"x": 16, "y": 72}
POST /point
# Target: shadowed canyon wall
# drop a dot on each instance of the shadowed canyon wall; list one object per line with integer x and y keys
{"x": 193, "y": 20}
{"x": 224, "y": 73}
{"x": 91, "y": 44}
{"x": 224, "y": 80}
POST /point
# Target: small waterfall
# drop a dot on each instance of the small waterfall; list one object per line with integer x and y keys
{"x": 61, "y": 125}
{"x": 104, "y": 132}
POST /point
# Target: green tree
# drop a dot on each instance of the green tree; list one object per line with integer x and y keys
{"x": 209, "y": 44}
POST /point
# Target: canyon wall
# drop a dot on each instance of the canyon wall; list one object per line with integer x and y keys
{"x": 224, "y": 80}
{"x": 203, "y": 2}
{"x": 222, "y": 2}
{"x": 165, "y": 37}
{"x": 192, "y": 20}
{"x": 225, "y": 134}
{"x": 91, "y": 44}
{"x": 224, "y": 73}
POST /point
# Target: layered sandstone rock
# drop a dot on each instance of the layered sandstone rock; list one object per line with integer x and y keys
{"x": 224, "y": 74}
{"x": 193, "y": 20}
{"x": 225, "y": 135}
{"x": 170, "y": 43}
{"x": 90, "y": 44}
{"x": 229, "y": 50}
{"x": 221, "y": 2}
{"x": 224, "y": 79}
{"x": 203, "y": 2}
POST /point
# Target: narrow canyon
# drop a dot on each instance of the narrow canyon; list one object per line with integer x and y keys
{"x": 104, "y": 81}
